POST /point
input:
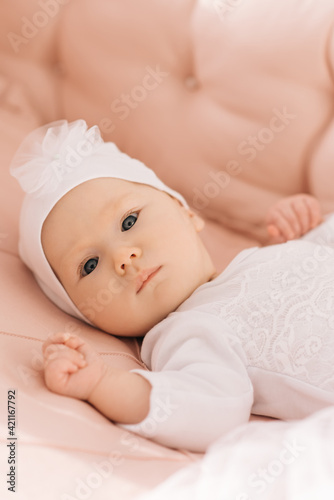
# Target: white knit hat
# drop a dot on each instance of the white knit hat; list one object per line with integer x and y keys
{"x": 51, "y": 161}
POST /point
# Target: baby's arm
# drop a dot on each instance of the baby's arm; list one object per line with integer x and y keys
{"x": 197, "y": 390}
{"x": 292, "y": 217}
{"x": 73, "y": 368}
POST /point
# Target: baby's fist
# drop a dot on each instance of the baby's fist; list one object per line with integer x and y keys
{"x": 71, "y": 367}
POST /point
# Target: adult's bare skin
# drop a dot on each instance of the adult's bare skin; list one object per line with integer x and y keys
{"x": 228, "y": 111}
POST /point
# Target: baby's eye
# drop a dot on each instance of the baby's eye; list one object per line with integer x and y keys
{"x": 129, "y": 221}
{"x": 89, "y": 266}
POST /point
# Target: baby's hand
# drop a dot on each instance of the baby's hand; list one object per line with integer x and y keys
{"x": 71, "y": 367}
{"x": 292, "y": 217}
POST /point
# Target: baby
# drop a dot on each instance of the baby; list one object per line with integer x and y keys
{"x": 109, "y": 243}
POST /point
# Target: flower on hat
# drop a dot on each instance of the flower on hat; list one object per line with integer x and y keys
{"x": 51, "y": 152}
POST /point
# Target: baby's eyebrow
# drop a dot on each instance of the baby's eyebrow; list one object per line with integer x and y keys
{"x": 115, "y": 203}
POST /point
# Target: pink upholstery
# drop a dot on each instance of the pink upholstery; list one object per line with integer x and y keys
{"x": 181, "y": 85}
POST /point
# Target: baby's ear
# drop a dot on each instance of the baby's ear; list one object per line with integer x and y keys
{"x": 196, "y": 220}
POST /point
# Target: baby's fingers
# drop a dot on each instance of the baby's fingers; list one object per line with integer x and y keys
{"x": 275, "y": 235}
{"x": 63, "y": 338}
{"x": 69, "y": 357}
{"x": 56, "y": 338}
{"x": 286, "y": 223}
{"x": 308, "y": 212}
{"x": 315, "y": 214}
{"x": 302, "y": 214}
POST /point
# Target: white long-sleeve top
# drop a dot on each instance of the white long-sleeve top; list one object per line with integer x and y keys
{"x": 259, "y": 339}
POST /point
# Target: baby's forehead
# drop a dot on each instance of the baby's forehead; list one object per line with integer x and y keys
{"x": 111, "y": 187}
{"x": 94, "y": 196}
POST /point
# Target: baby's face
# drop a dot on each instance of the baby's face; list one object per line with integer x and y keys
{"x": 127, "y": 254}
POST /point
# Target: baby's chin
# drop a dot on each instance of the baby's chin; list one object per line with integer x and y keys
{"x": 141, "y": 321}
{"x": 131, "y": 329}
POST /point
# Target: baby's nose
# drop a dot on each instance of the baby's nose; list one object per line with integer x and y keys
{"x": 125, "y": 257}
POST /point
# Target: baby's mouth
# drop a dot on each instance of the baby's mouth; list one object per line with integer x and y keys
{"x": 145, "y": 276}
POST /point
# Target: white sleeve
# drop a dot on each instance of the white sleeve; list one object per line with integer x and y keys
{"x": 200, "y": 385}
